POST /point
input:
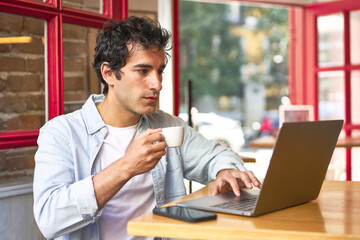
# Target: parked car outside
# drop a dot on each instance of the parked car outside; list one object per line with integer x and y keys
{"x": 226, "y": 131}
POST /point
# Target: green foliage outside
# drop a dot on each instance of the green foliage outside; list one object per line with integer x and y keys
{"x": 211, "y": 55}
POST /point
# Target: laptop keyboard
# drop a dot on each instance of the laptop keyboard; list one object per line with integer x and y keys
{"x": 246, "y": 202}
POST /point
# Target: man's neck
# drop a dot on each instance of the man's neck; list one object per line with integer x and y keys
{"x": 115, "y": 116}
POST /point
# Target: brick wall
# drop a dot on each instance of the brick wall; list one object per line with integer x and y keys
{"x": 22, "y": 82}
{"x": 80, "y": 79}
{"x": 22, "y": 102}
{"x": 88, "y": 5}
{"x": 15, "y": 163}
{"x": 22, "y": 89}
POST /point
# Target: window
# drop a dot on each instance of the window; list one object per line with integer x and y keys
{"x": 22, "y": 101}
{"x": 324, "y": 64}
{"x": 236, "y": 60}
{"x": 333, "y": 73}
{"x": 80, "y": 79}
{"x": 330, "y": 40}
{"x": 46, "y": 49}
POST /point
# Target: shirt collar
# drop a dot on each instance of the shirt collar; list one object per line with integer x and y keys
{"x": 93, "y": 120}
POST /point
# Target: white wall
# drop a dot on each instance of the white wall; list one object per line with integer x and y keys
{"x": 17, "y": 218}
{"x": 165, "y": 18}
{"x": 163, "y": 10}
{"x": 143, "y": 5}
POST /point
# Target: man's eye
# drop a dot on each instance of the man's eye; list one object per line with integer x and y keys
{"x": 142, "y": 71}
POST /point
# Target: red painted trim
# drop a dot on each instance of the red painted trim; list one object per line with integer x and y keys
{"x": 116, "y": 9}
{"x": 351, "y": 127}
{"x": 53, "y": 2}
{"x": 55, "y": 14}
{"x": 341, "y": 68}
{"x": 18, "y": 139}
{"x": 348, "y": 164}
{"x": 176, "y": 62}
{"x": 58, "y": 4}
{"x": 60, "y": 80}
{"x": 55, "y": 100}
{"x": 312, "y": 13}
{"x": 26, "y": 8}
{"x": 315, "y": 85}
{"x": 347, "y": 73}
{"x": 107, "y": 8}
{"x": 333, "y": 7}
{"x": 80, "y": 17}
{"x": 123, "y": 9}
{"x": 310, "y": 52}
{"x": 296, "y": 53}
{"x": 50, "y": 10}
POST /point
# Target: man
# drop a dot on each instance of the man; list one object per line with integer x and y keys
{"x": 99, "y": 167}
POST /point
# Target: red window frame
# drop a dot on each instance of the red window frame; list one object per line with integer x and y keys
{"x": 176, "y": 57}
{"x": 307, "y": 93}
{"x": 55, "y": 14}
{"x": 303, "y": 68}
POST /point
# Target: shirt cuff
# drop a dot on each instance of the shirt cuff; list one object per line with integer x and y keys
{"x": 85, "y": 198}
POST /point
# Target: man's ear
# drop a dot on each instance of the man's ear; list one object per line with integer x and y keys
{"x": 107, "y": 73}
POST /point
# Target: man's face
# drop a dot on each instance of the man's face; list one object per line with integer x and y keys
{"x": 137, "y": 92}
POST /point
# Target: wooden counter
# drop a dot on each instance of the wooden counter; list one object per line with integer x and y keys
{"x": 334, "y": 215}
{"x": 269, "y": 142}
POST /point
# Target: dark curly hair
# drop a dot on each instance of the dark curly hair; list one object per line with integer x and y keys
{"x": 115, "y": 37}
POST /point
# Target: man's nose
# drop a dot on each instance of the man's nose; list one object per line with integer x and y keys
{"x": 156, "y": 82}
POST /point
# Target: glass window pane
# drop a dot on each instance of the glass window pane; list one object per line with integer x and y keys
{"x": 355, "y": 164}
{"x": 80, "y": 79}
{"x": 331, "y": 95}
{"x": 238, "y": 68}
{"x": 87, "y": 5}
{"x": 355, "y": 97}
{"x": 337, "y": 166}
{"x": 330, "y": 40}
{"x": 16, "y": 163}
{"x": 22, "y": 91}
{"x": 355, "y": 37}
{"x": 355, "y": 158}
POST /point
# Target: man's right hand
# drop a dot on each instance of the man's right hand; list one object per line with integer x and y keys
{"x": 144, "y": 152}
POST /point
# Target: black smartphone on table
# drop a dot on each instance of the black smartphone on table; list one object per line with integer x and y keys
{"x": 184, "y": 214}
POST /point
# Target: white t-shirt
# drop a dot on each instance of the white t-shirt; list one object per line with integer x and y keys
{"x": 134, "y": 199}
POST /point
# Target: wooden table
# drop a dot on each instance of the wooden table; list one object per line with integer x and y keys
{"x": 269, "y": 142}
{"x": 348, "y": 142}
{"x": 263, "y": 142}
{"x": 247, "y": 159}
{"x": 334, "y": 215}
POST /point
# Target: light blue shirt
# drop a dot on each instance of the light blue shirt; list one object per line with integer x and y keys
{"x": 66, "y": 160}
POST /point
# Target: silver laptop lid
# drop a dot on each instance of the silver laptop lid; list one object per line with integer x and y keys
{"x": 299, "y": 163}
{"x": 297, "y": 168}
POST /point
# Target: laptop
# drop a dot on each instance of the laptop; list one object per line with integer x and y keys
{"x": 296, "y": 172}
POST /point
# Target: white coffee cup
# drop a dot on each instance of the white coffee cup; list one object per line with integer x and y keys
{"x": 173, "y": 136}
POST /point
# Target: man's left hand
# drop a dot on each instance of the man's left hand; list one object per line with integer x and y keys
{"x": 228, "y": 179}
